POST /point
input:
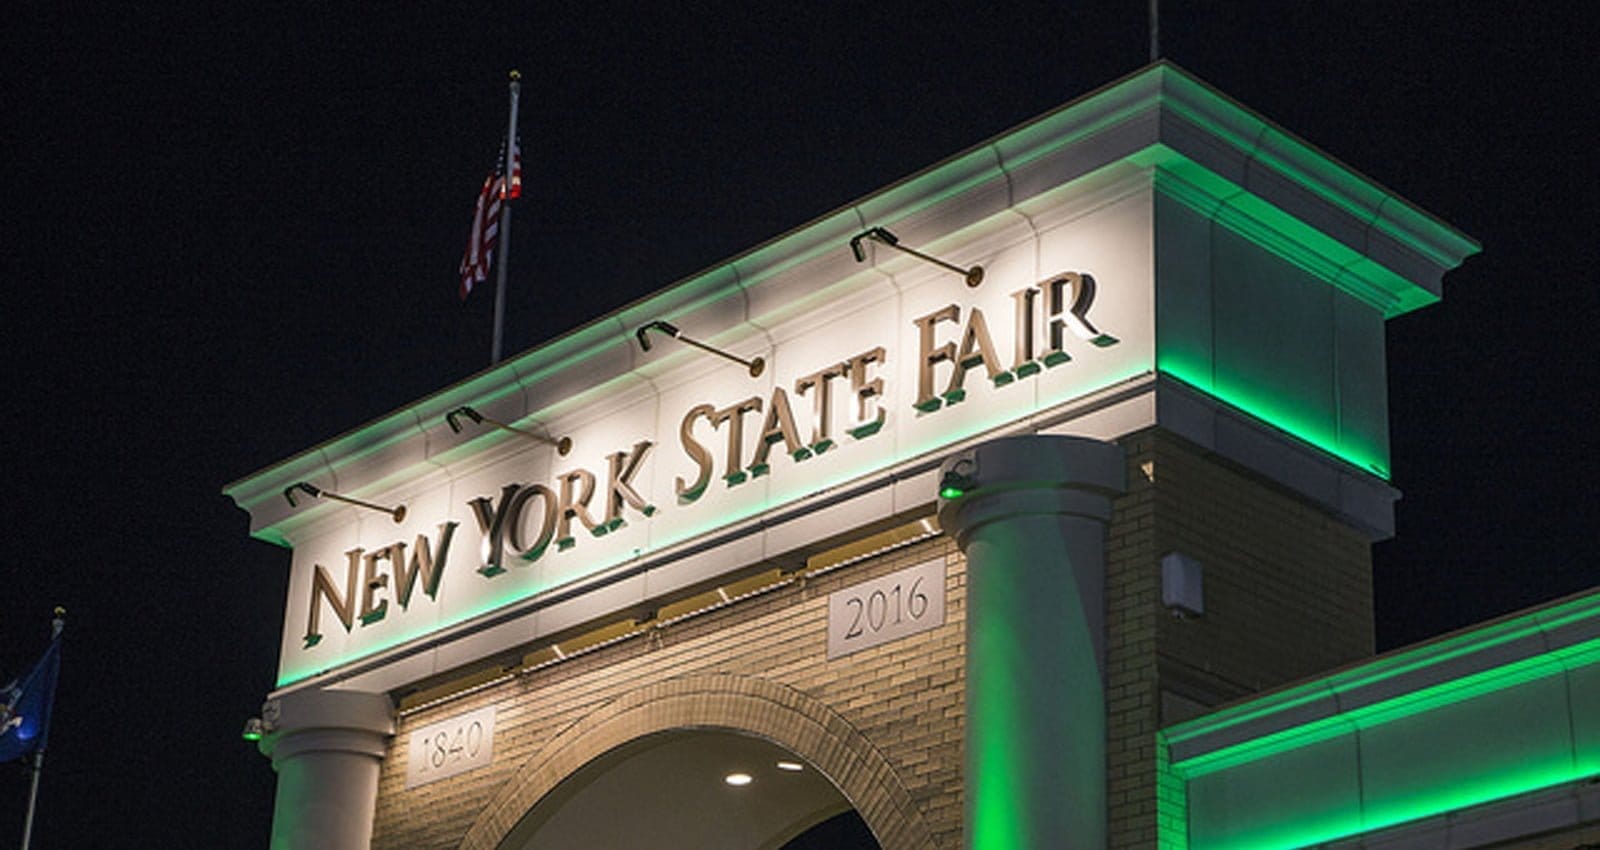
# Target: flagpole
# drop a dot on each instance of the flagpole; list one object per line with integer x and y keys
{"x": 38, "y": 755}
{"x": 1155, "y": 30}
{"x": 33, "y": 798}
{"x": 505, "y": 222}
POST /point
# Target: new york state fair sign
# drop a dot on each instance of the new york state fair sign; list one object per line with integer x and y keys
{"x": 865, "y": 372}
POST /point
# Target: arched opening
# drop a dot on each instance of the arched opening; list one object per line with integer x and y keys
{"x": 703, "y": 788}
{"x": 741, "y": 706}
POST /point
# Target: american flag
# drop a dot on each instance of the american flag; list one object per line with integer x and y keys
{"x": 486, "y": 219}
{"x": 516, "y": 167}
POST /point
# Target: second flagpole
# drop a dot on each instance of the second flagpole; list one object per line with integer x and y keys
{"x": 505, "y": 221}
{"x": 56, "y": 626}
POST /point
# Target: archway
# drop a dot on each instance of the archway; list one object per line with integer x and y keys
{"x": 738, "y": 707}
{"x": 708, "y": 789}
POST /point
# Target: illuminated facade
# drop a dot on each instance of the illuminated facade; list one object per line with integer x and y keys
{"x": 922, "y": 560}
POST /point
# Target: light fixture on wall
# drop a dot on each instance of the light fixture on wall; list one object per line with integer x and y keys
{"x": 453, "y": 419}
{"x": 1183, "y": 589}
{"x": 254, "y": 729}
{"x": 973, "y": 276}
{"x": 398, "y": 511}
{"x": 755, "y": 366}
{"x": 957, "y": 477}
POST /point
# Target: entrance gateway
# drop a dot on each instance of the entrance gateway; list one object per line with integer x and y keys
{"x": 924, "y": 566}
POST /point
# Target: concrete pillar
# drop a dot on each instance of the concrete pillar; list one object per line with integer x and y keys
{"x": 1032, "y": 526}
{"x": 326, "y": 746}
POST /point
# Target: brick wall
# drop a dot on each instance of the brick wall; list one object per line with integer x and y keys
{"x": 888, "y": 720}
{"x": 1288, "y": 594}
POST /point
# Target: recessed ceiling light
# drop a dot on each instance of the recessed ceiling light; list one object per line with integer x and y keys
{"x": 791, "y": 766}
{"x": 737, "y": 779}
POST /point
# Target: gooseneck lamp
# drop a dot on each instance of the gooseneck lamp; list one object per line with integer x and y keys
{"x": 453, "y": 419}
{"x": 398, "y": 511}
{"x": 882, "y": 236}
{"x": 755, "y": 366}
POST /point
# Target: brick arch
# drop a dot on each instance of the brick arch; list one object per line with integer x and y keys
{"x": 745, "y": 704}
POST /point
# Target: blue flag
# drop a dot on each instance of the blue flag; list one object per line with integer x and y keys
{"x": 25, "y": 706}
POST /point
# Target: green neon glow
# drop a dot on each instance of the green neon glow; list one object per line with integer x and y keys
{"x": 1306, "y": 829}
{"x": 1366, "y": 717}
{"x": 252, "y": 736}
{"x": 1407, "y": 661}
{"x": 1292, "y": 751}
{"x": 997, "y": 741}
{"x": 993, "y": 781}
{"x": 1280, "y": 413}
{"x": 948, "y": 492}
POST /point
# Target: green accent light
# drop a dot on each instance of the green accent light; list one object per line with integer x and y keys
{"x": 252, "y": 736}
{"x": 1409, "y": 705}
{"x": 1407, "y": 661}
{"x": 1280, "y": 413}
{"x": 950, "y": 492}
{"x": 1487, "y": 764}
{"x": 996, "y": 826}
{"x": 997, "y": 748}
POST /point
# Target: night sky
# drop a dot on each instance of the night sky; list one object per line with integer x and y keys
{"x": 231, "y": 233}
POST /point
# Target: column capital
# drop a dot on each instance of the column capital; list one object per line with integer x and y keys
{"x": 1031, "y": 474}
{"x": 318, "y": 719}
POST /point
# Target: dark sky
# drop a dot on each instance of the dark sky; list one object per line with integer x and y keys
{"x": 231, "y": 232}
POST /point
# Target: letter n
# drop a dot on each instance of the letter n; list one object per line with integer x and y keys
{"x": 343, "y": 604}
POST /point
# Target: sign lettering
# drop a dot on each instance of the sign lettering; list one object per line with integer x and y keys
{"x": 953, "y": 351}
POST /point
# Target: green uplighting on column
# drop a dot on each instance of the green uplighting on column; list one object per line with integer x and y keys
{"x": 1033, "y": 535}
